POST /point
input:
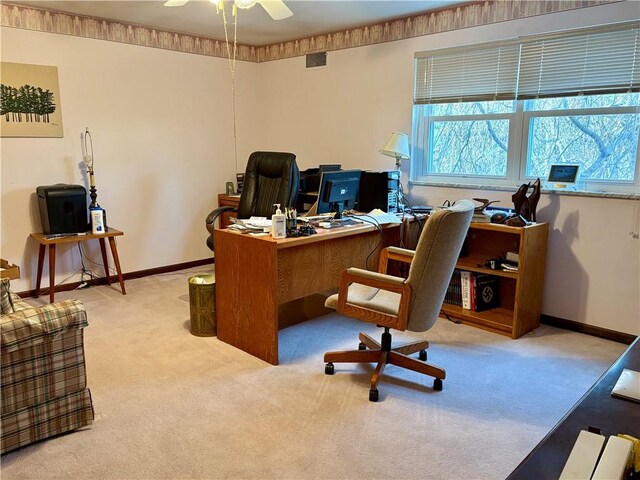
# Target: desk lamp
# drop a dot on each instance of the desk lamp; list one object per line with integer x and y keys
{"x": 398, "y": 147}
{"x": 87, "y": 155}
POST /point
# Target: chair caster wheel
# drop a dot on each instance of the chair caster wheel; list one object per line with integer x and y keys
{"x": 422, "y": 355}
{"x": 362, "y": 346}
{"x": 437, "y": 384}
{"x": 328, "y": 369}
{"x": 373, "y": 395}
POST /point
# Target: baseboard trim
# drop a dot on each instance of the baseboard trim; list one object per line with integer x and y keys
{"x": 65, "y": 287}
{"x": 600, "y": 332}
{"x": 571, "y": 325}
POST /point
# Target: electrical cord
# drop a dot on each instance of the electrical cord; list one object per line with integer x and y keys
{"x": 91, "y": 273}
{"x": 376, "y": 224}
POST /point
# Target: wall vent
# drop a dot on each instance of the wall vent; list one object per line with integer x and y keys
{"x": 316, "y": 59}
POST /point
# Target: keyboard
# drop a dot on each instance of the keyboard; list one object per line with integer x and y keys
{"x": 316, "y": 218}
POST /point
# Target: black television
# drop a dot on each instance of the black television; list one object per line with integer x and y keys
{"x": 338, "y": 191}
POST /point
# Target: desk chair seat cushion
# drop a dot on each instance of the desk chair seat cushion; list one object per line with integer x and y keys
{"x": 368, "y": 297}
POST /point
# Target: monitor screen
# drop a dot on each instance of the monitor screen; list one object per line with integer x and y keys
{"x": 338, "y": 191}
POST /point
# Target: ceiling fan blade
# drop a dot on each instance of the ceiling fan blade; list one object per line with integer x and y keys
{"x": 175, "y": 3}
{"x": 276, "y": 8}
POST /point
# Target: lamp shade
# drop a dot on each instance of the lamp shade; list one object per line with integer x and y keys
{"x": 397, "y": 147}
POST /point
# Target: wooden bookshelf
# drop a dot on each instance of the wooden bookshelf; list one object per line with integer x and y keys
{"x": 520, "y": 292}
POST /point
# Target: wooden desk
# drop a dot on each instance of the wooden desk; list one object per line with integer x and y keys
{"x": 257, "y": 276}
{"x": 52, "y": 242}
{"x": 598, "y": 409}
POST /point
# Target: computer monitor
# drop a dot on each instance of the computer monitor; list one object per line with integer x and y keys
{"x": 338, "y": 191}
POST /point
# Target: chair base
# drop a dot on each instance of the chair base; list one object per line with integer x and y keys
{"x": 370, "y": 351}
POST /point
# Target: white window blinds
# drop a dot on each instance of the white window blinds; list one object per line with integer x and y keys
{"x": 471, "y": 75}
{"x": 585, "y": 62}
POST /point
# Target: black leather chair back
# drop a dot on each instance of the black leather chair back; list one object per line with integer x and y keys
{"x": 270, "y": 177}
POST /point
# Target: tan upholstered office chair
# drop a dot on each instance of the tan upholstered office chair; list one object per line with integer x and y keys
{"x": 412, "y": 304}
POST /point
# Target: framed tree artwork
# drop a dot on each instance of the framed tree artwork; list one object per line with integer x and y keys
{"x": 29, "y": 101}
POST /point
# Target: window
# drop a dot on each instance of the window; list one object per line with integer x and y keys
{"x": 504, "y": 113}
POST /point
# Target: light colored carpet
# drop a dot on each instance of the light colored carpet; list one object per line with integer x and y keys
{"x": 171, "y": 405}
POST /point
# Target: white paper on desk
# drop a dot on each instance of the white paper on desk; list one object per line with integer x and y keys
{"x": 628, "y": 385}
{"x": 379, "y": 216}
{"x": 254, "y": 222}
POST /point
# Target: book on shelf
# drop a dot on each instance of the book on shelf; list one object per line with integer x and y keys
{"x": 481, "y": 218}
{"x": 465, "y": 280}
{"x": 486, "y": 289}
{"x": 454, "y": 294}
{"x": 477, "y": 291}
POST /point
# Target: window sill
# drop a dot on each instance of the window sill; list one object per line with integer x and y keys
{"x": 568, "y": 191}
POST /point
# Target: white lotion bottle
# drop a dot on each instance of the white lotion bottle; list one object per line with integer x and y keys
{"x": 278, "y": 223}
{"x": 97, "y": 220}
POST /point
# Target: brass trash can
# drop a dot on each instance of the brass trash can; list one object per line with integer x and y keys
{"x": 202, "y": 304}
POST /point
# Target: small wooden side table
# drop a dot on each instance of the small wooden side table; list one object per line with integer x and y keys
{"x": 42, "y": 239}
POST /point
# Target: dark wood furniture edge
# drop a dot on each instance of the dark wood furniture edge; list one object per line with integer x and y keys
{"x": 64, "y": 287}
{"x": 621, "y": 362}
{"x": 592, "y": 330}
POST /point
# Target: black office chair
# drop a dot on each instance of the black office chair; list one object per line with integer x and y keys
{"x": 271, "y": 177}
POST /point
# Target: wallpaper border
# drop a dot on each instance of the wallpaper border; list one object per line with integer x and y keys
{"x": 463, "y": 16}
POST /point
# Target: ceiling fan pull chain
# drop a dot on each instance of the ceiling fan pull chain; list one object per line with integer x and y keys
{"x": 231, "y": 54}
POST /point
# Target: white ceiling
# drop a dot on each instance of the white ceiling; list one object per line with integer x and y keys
{"x": 255, "y": 27}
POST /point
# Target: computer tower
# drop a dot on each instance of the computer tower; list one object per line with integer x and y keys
{"x": 379, "y": 190}
{"x": 63, "y": 208}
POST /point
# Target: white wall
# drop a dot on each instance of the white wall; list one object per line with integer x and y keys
{"x": 161, "y": 124}
{"x": 162, "y": 128}
{"x": 345, "y": 111}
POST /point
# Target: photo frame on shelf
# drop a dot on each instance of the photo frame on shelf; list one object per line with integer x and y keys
{"x": 561, "y": 176}
{"x": 30, "y": 101}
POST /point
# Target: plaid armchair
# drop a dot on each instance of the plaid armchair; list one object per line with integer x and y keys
{"x": 43, "y": 383}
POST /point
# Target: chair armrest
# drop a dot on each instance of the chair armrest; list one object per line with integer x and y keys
{"x": 375, "y": 280}
{"x": 404, "y": 254}
{"x": 31, "y": 326}
{"x": 394, "y": 253}
{"x": 372, "y": 279}
{"x": 214, "y": 214}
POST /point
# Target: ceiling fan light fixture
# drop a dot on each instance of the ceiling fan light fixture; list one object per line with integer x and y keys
{"x": 245, "y": 3}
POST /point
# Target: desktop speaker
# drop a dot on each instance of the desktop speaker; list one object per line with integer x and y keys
{"x": 63, "y": 208}
{"x": 379, "y": 190}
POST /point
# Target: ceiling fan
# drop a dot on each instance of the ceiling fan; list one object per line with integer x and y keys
{"x": 275, "y": 8}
